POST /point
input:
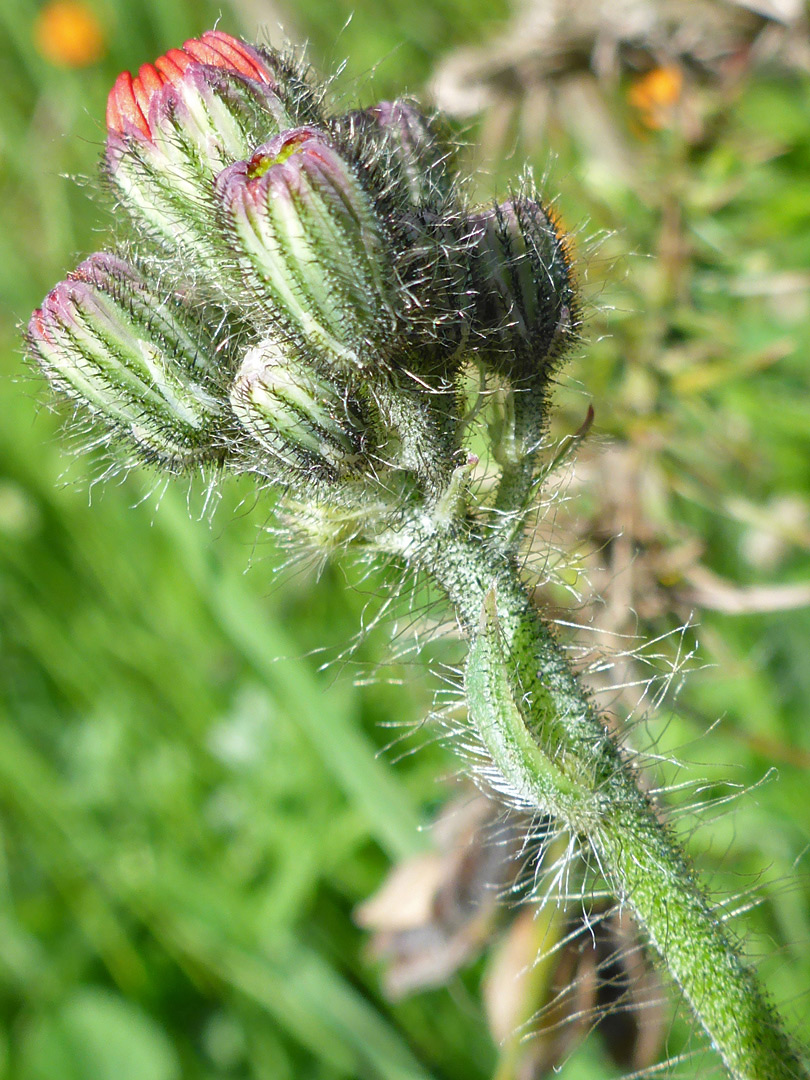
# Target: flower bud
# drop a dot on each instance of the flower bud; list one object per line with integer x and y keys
{"x": 525, "y": 298}
{"x": 408, "y": 168}
{"x": 412, "y": 143}
{"x": 311, "y": 250}
{"x": 300, "y": 418}
{"x": 134, "y": 358}
{"x": 179, "y": 122}
{"x": 130, "y": 99}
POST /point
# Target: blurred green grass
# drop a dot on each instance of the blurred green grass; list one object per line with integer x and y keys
{"x": 190, "y": 807}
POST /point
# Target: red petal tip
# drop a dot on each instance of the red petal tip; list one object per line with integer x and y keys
{"x": 237, "y": 55}
{"x": 173, "y": 64}
{"x": 123, "y": 110}
{"x": 36, "y": 324}
{"x": 202, "y": 52}
{"x": 148, "y": 82}
{"x": 129, "y": 100}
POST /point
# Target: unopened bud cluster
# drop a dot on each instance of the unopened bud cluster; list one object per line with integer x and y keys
{"x": 308, "y": 298}
{"x": 298, "y": 294}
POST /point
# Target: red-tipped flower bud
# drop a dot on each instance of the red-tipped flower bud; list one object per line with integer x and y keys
{"x": 177, "y": 124}
{"x": 134, "y": 358}
{"x": 311, "y": 249}
{"x": 130, "y": 99}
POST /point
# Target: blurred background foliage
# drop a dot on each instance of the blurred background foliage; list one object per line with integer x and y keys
{"x": 191, "y": 809}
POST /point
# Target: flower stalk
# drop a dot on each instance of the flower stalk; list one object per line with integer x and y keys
{"x": 555, "y": 753}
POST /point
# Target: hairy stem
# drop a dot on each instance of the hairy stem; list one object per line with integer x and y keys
{"x": 519, "y": 449}
{"x": 557, "y": 753}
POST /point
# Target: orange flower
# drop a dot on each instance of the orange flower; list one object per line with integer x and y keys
{"x": 68, "y": 33}
{"x": 655, "y": 94}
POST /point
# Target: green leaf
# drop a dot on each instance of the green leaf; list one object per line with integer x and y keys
{"x": 97, "y": 1035}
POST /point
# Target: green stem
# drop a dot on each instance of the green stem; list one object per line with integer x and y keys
{"x": 557, "y": 752}
{"x": 519, "y": 449}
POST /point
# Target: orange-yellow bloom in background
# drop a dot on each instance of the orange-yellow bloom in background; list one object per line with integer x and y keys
{"x": 68, "y": 33}
{"x": 655, "y": 93}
